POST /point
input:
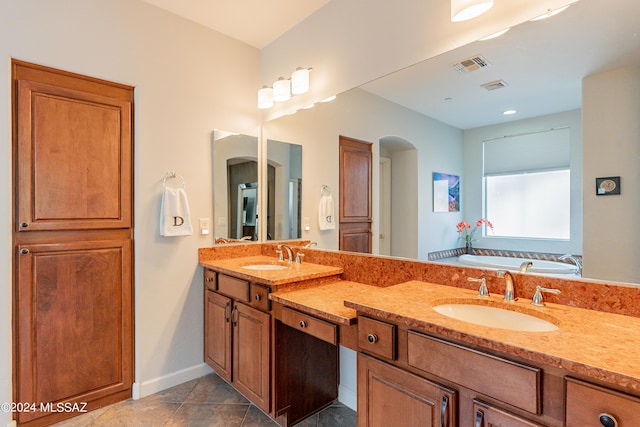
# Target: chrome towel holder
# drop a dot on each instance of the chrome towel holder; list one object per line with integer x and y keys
{"x": 172, "y": 175}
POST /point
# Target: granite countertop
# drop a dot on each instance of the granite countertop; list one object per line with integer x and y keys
{"x": 292, "y": 273}
{"x": 325, "y": 301}
{"x": 596, "y": 344}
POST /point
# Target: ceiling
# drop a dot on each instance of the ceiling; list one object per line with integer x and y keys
{"x": 543, "y": 62}
{"x": 267, "y": 19}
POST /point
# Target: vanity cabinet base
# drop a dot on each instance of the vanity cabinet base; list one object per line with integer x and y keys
{"x": 305, "y": 374}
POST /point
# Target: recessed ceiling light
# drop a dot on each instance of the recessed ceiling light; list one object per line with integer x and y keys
{"x": 549, "y": 13}
{"x": 509, "y": 112}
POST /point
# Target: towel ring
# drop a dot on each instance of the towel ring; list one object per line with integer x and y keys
{"x": 172, "y": 175}
{"x": 325, "y": 191}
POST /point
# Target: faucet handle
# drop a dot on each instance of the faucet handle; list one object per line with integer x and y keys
{"x": 537, "y": 299}
{"x": 299, "y": 256}
{"x": 280, "y": 255}
{"x": 525, "y": 266}
{"x": 483, "y": 291}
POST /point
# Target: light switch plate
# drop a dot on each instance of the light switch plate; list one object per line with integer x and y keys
{"x": 204, "y": 226}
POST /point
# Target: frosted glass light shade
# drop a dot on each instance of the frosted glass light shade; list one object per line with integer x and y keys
{"x": 462, "y": 10}
{"x": 265, "y": 98}
{"x": 300, "y": 81}
{"x": 281, "y": 90}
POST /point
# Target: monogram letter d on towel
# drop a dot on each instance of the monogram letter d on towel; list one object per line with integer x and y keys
{"x": 178, "y": 221}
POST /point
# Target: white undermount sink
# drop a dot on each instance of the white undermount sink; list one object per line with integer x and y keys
{"x": 495, "y": 317}
{"x": 271, "y": 267}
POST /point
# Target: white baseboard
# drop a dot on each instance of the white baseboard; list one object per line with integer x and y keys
{"x": 12, "y": 423}
{"x": 347, "y": 397}
{"x": 147, "y": 388}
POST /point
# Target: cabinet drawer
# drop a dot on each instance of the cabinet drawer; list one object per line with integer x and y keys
{"x": 260, "y": 297}
{"x": 234, "y": 288}
{"x": 377, "y": 337}
{"x": 589, "y": 404}
{"x": 210, "y": 279}
{"x": 315, "y": 327}
{"x": 508, "y": 381}
{"x": 485, "y": 415}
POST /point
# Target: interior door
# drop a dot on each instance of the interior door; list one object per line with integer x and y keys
{"x": 355, "y": 205}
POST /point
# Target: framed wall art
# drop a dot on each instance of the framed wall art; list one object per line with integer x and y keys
{"x": 446, "y": 192}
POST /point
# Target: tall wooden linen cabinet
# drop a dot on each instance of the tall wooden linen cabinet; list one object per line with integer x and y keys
{"x": 73, "y": 242}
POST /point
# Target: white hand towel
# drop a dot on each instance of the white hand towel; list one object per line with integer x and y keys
{"x": 326, "y": 218}
{"x": 175, "y": 218}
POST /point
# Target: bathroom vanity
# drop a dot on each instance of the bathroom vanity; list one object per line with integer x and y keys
{"x": 417, "y": 367}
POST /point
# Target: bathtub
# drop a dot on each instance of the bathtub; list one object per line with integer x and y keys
{"x": 508, "y": 263}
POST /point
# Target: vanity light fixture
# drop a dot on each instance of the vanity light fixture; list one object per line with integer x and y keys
{"x": 300, "y": 81}
{"x": 549, "y": 13}
{"x": 282, "y": 90}
{"x": 265, "y": 98}
{"x": 463, "y": 10}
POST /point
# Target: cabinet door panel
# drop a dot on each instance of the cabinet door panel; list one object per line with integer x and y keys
{"x": 74, "y": 321}
{"x": 74, "y": 159}
{"x": 388, "y": 396}
{"x": 217, "y": 344}
{"x": 251, "y": 363}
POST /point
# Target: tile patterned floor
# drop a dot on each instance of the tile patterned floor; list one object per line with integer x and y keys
{"x": 204, "y": 402}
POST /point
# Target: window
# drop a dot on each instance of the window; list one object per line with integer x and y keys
{"x": 527, "y": 185}
{"x": 529, "y": 205}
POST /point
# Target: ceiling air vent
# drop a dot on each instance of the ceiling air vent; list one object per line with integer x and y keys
{"x": 470, "y": 64}
{"x": 496, "y": 84}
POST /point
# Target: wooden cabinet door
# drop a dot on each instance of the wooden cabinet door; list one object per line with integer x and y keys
{"x": 388, "y": 396}
{"x": 251, "y": 363}
{"x": 355, "y": 207}
{"x": 73, "y": 154}
{"x": 217, "y": 333}
{"x": 485, "y": 415}
{"x": 73, "y": 340}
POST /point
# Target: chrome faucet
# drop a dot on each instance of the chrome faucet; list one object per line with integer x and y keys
{"x": 281, "y": 254}
{"x": 525, "y": 266}
{"x": 310, "y": 244}
{"x": 509, "y": 288}
{"x": 577, "y": 261}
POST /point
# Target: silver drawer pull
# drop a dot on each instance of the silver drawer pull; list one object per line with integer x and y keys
{"x": 257, "y": 297}
{"x": 372, "y": 338}
{"x": 303, "y": 324}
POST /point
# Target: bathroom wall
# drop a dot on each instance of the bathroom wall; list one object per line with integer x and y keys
{"x": 611, "y": 113}
{"x": 189, "y": 80}
{"x": 361, "y": 115}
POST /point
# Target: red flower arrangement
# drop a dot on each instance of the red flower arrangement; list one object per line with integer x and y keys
{"x": 466, "y": 232}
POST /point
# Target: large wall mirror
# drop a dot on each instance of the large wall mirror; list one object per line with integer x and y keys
{"x": 436, "y": 116}
{"x": 284, "y": 190}
{"x": 235, "y": 183}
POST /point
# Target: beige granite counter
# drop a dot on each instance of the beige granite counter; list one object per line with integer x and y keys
{"x": 292, "y": 273}
{"x": 599, "y": 345}
{"x": 325, "y": 301}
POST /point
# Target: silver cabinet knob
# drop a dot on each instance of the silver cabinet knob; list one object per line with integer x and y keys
{"x": 372, "y": 338}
